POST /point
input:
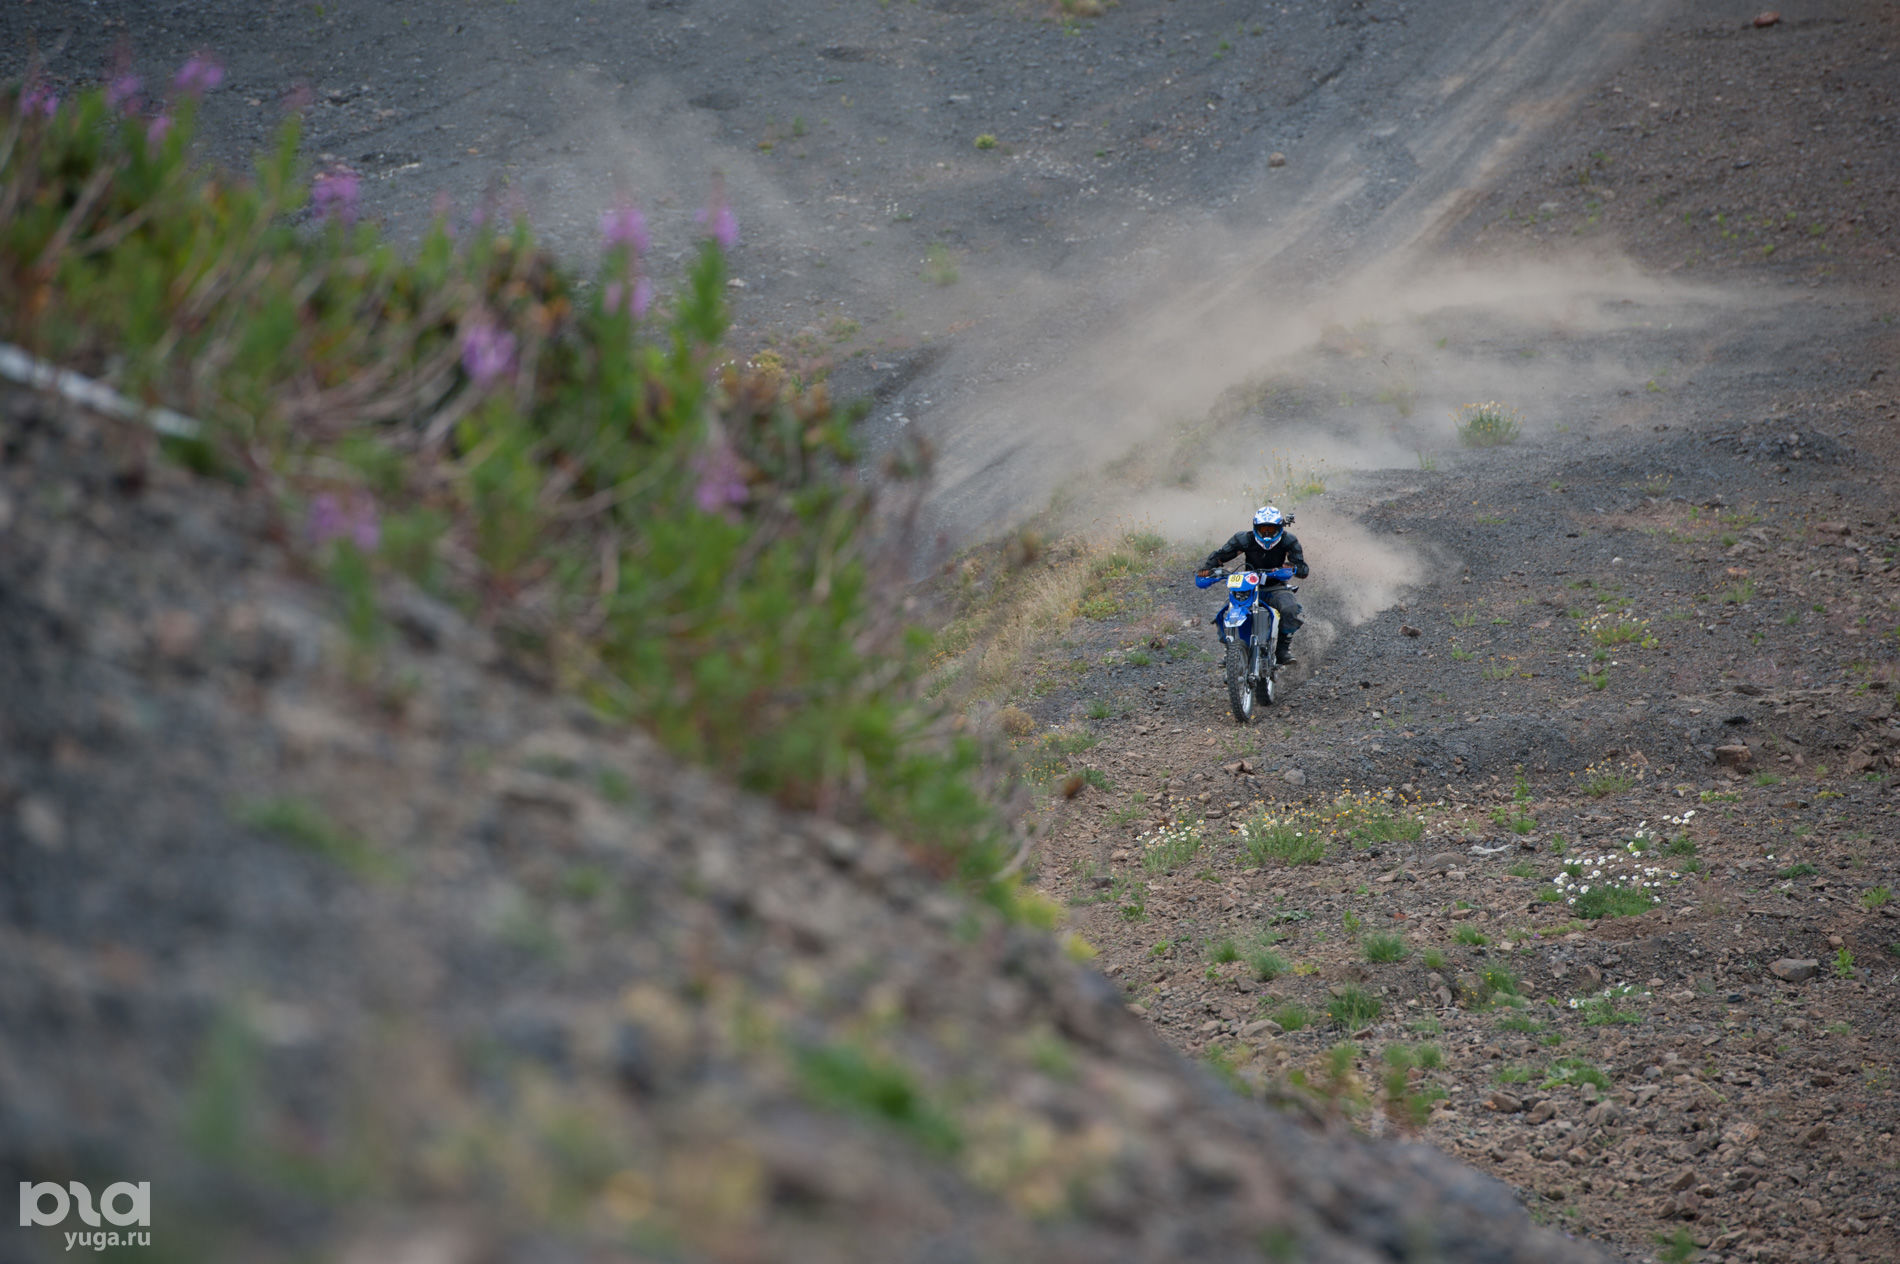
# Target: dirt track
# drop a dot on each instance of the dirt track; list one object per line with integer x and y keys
{"x": 1124, "y": 253}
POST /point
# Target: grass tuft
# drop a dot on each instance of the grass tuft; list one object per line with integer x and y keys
{"x": 1384, "y": 948}
{"x": 1487, "y": 425}
{"x": 1354, "y": 1007}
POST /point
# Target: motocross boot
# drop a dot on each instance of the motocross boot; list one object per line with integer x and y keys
{"x": 1282, "y": 652}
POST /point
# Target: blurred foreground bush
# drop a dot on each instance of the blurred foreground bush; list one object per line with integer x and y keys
{"x": 680, "y": 539}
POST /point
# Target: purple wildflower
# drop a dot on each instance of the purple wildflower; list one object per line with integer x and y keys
{"x": 122, "y": 93}
{"x": 39, "y": 99}
{"x": 634, "y": 300}
{"x": 487, "y": 352}
{"x": 721, "y": 225}
{"x": 156, "y": 129}
{"x": 625, "y": 226}
{"x": 334, "y": 194}
{"x": 199, "y": 75}
{"x": 721, "y": 480}
{"x": 331, "y": 518}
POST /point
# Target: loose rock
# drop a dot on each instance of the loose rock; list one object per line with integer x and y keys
{"x": 1795, "y": 969}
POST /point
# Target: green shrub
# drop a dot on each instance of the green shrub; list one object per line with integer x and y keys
{"x": 1603, "y": 785}
{"x": 1384, "y": 948}
{"x": 678, "y": 538}
{"x": 1147, "y": 543}
{"x": 1366, "y": 819}
{"x": 844, "y": 1077}
{"x": 1265, "y": 838}
{"x": 1267, "y": 964}
{"x": 1169, "y": 848}
{"x": 1601, "y": 1011}
{"x": 1497, "y": 980}
{"x": 1487, "y": 425}
{"x": 1354, "y": 1007}
{"x": 307, "y": 827}
{"x": 1131, "y": 899}
{"x": 1567, "y": 1071}
{"x": 1470, "y": 935}
{"x": 1613, "y": 901}
{"x": 1292, "y": 1016}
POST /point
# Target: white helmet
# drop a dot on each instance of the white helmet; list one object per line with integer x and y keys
{"x": 1268, "y": 521}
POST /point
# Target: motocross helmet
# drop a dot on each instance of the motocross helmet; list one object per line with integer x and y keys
{"x": 1268, "y": 523}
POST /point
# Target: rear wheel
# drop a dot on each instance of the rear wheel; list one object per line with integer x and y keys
{"x": 1240, "y": 689}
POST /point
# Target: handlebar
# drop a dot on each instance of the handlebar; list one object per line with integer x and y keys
{"x": 1279, "y": 575}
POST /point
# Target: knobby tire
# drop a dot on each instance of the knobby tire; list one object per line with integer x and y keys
{"x": 1239, "y": 688}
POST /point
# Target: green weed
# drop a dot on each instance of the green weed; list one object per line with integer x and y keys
{"x": 1601, "y": 1011}
{"x": 306, "y": 826}
{"x": 1265, "y": 838}
{"x": 1603, "y": 785}
{"x": 1384, "y": 948}
{"x": 1354, "y": 1007}
{"x": 844, "y": 1077}
{"x": 1170, "y": 848}
{"x": 1486, "y": 425}
{"x": 1130, "y": 897}
{"x": 940, "y": 268}
{"x": 1573, "y": 1071}
{"x": 1292, "y": 1016}
{"x": 1606, "y": 900}
{"x": 1677, "y": 1248}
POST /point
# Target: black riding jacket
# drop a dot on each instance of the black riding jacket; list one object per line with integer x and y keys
{"x": 1285, "y": 552}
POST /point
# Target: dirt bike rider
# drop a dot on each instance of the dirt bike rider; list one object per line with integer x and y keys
{"x": 1269, "y": 547}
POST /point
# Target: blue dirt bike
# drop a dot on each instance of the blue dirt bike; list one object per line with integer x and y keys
{"x": 1249, "y": 628}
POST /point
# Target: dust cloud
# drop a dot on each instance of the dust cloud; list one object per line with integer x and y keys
{"x": 1183, "y": 370}
{"x": 1219, "y": 398}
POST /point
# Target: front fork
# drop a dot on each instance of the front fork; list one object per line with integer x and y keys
{"x": 1257, "y": 660}
{"x": 1263, "y": 645}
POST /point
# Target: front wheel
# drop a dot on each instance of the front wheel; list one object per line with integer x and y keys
{"x": 1240, "y": 686}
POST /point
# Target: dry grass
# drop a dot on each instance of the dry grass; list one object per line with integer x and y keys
{"x": 1011, "y": 596}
